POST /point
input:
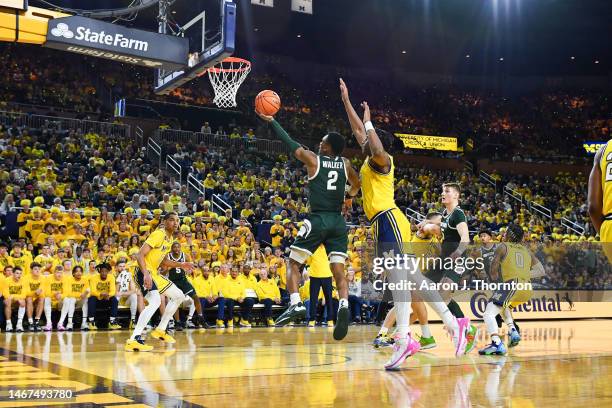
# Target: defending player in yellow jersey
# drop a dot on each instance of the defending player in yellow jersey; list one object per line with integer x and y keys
{"x": 392, "y": 232}
{"x": 600, "y": 197}
{"x": 151, "y": 257}
{"x": 513, "y": 264}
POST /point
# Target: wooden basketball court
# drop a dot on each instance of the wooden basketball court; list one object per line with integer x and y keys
{"x": 558, "y": 364}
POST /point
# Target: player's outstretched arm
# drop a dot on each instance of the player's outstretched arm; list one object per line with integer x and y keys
{"x": 304, "y": 155}
{"x": 354, "y": 119}
{"x": 377, "y": 152}
{"x": 595, "y": 195}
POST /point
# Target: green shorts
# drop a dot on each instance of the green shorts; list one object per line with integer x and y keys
{"x": 184, "y": 286}
{"x": 328, "y": 229}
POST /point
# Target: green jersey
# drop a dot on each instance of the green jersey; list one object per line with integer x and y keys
{"x": 449, "y": 229}
{"x": 326, "y": 187}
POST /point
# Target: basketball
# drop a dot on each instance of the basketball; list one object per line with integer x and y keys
{"x": 267, "y": 102}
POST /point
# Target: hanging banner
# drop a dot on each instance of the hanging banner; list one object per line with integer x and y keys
{"x": 428, "y": 142}
{"x": 100, "y": 39}
{"x": 265, "y": 3}
{"x": 302, "y": 6}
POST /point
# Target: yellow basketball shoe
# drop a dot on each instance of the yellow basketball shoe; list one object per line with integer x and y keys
{"x": 163, "y": 336}
{"x": 137, "y": 344}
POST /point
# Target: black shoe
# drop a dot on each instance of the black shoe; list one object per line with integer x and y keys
{"x": 293, "y": 312}
{"x": 179, "y": 326}
{"x": 342, "y": 323}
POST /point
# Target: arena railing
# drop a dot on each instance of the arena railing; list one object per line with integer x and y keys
{"x": 573, "y": 226}
{"x": 487, "y": 178}
{"x": 175, "y": 167}
{"x": 154, "y": 152}
{"x": 60, "y": 123}
{"x": 414, "y": 215}
{"x": 220, "y": 140}
{"x": 139, "y": 135}
{"x": 515, "y": 195}
{"x": 468, "y": 166}
{"x": 546, "y": 212}
{"x": 220, "y": 204}
{"x": 195, "y": 184}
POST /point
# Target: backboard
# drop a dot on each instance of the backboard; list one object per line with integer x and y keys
{"x": 212, "y": 37}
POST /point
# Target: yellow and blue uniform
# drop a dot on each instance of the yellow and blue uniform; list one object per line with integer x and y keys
{"x": 515, "y": 267}
{"x": 425, "y": 248}
{"x": 390, "y": 226}
{"x": 605, "y": 165}
{"x": 160, "y": 244}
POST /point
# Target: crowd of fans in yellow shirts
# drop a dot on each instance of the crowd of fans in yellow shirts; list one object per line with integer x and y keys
{"x": 88, "y": 200}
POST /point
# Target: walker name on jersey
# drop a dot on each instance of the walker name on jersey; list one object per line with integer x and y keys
{"x": 332, "y": 164}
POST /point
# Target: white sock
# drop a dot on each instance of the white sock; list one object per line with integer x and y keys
{"x": 47, "y": 309}
{"x": 154, "y": 300}
{"x": 343, "y": 303}
{"x": 446, "y": 315}
{"x": 175, "y": 297}
{"x": 425, "y": 332}
{"x": 403, "y": 310}
{"x": 509, "y": 319}
{"x": 491, "y": 311}
{"x": 71, "y": 308}
{"x": 20, "y": 313}
{"x": 191, "y": 309}
{"x": 65, "y": 307}
{"x": 133, "y": 301}
{"x": 383, "y": 330}
{"x": 30, "y": 320}
{"x": 496, "y": 339}
{"x": 294, "y": 298}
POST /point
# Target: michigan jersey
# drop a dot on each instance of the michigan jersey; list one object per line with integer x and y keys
{"x": 160, "y": 244}
{"x": 516, "y": 265}
{"x": 425, "y": 248}
{"x": 605, "y": 165}
{"x": 390, "y": 226}
{"x": 377, "y": 188}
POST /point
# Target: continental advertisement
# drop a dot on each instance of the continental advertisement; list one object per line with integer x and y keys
{"x": 544, "y": 305}
{"x": 428, "y": 142}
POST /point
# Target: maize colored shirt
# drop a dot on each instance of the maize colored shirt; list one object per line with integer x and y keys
{"x": 267, "y": 289}
{"x": 15, "y": 289}
{"x": 160, "y": 245}
{"x": 99, "y": 286}
{"x": 234, "y": 288}
{"x": 33, "y": 284}
{"x": 75, "y": 288}
{"x": 205, "y": 287}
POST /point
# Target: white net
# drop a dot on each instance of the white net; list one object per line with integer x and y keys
{"x": 225, "y": 78}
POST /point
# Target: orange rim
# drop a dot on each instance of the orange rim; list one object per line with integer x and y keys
{"x": 218, "y": 69}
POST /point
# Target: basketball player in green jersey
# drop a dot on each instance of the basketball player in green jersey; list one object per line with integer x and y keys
{"x": 328, "y": 174}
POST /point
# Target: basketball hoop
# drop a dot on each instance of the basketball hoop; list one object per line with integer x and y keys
{"x": 226, "y": 77}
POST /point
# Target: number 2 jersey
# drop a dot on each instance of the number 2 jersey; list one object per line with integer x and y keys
{"x": 326, "y": 187}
